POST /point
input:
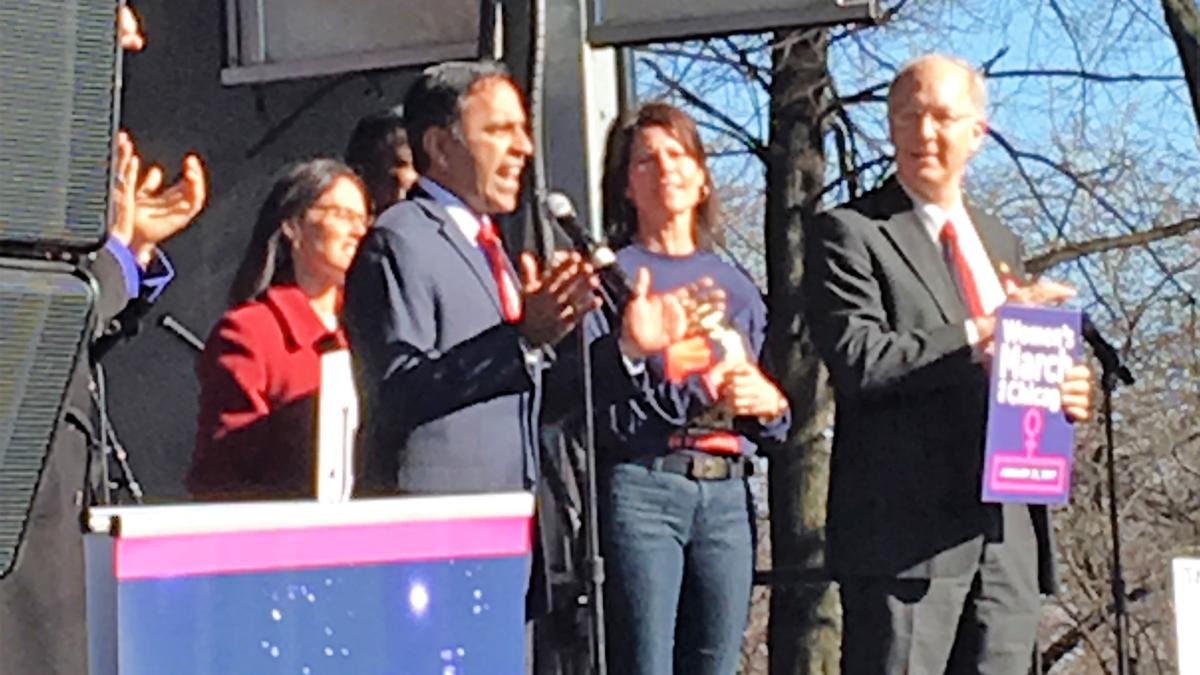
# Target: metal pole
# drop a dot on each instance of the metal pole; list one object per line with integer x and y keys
{"x": 1121, "y": 628}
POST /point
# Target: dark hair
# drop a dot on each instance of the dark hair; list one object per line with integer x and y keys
{"x": 372, "y": 149}
{"x": 620, "y": 215}
{"x": 437, "y": 98}
{"x": 268, "y": 258}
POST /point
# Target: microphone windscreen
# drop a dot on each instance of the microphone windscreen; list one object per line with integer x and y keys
{"x": 560, "y": 205}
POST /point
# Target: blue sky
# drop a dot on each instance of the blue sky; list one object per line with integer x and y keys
{"x": 1134, "y": 142}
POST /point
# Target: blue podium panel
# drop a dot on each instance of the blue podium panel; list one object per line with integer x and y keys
{"x": 423, "y": 585}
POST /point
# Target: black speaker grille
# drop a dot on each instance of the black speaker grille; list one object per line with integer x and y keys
{"x": 44, "y": 322}
{"x": 56, "y": 121}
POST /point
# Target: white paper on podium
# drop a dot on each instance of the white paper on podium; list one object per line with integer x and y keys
{"x": 337, "y": 422}
{"x": 1186, "y": 580}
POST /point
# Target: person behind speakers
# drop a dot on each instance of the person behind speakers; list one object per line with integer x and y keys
{"x": 378, "y": 151}
{"x": 901, "y": 287}
{"x": 677, "y": 533}
{"x": 43, "y": 625}
{"x": 260, "y": 369}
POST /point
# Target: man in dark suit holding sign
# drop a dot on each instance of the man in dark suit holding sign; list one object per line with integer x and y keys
{"x": 902, "y": 286}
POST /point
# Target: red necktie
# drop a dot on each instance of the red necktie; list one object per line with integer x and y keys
{"x": 510, "y": 297}
{"x": 958, "y": 264}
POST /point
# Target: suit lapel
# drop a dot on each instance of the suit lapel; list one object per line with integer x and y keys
{"x": 990, "y": 233}
{"x": 909, "y": 237}
{"x": 470, "y": 253}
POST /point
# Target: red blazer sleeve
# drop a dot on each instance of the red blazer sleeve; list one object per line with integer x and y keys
{"x": 231, "y": 431}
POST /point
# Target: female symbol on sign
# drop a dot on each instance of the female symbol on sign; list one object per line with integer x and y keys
{"x": 1033, "y": 424}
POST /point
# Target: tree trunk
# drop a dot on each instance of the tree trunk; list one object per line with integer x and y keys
{"x": 1184, "y": 21}
{"x": 805, "y": 623}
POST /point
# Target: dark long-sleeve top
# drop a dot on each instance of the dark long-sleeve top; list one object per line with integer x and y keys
{"x": 674, "y": 397}
{"x": 43, "y": 599}
{"x": 259, "y": 376}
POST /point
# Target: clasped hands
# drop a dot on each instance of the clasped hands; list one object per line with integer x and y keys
{"x": 556, "y": 300}
{"x": 653, "y": 322}
{"x": 1076, "y": 388}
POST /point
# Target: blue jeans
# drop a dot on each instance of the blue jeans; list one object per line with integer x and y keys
{"x": 679, "y": 561}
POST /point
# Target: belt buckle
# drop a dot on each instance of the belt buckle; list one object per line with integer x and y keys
{"x": 710, "y": 467}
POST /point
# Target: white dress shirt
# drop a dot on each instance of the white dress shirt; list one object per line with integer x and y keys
{"x": 462, "y": 215}
{"x": 933, "y": 217}
{"x": 469, "y": 223}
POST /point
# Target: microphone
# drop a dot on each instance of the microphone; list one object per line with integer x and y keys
{"x": 615, "y": 288}
{"x": 174, "y": 327}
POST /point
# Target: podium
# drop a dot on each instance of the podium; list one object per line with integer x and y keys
{"x": 428, "y": 585}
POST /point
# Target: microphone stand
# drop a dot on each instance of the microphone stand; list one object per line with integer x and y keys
{"x": 110, "y": 446}
{"x": 593, "y": 561}
{"x": 591, "y": 595}
{"x": 1112, "y": 373}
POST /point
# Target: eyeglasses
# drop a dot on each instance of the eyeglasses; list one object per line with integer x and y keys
{"x": 343, "y": 214}
{"x": 941, "y": 119}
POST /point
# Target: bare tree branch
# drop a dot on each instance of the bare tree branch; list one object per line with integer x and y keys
{"x": 1081, "y": 74}
{"x": 760, "y": 75}
{"x": 1072, "y": 250}
{"x": 1070, "y": 31}
{"x": 733, "y": 128}
{"x": 1072, "y": 638}
{"x": 1099, "y": 199}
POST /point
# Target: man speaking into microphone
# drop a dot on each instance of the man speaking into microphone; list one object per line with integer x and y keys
{"x": 448, "y": 343}
{"x": 901, "y": 286}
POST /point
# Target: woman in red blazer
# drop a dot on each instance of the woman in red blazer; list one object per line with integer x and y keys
{"x": 260, "y": 369}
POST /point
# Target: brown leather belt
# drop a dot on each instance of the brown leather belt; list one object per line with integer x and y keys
{"x": 700, "y": 466}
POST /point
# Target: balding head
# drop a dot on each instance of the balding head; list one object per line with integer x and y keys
{"x": 936, "y": 113}
{"x": 942, "y": 65}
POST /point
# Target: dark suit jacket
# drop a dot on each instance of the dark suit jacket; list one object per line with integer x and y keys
{"x": 449, "y": 393}
{"x": 43, "y": 626}
{"x": 887, "y": 318}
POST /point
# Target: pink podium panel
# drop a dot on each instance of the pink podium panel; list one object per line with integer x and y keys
{"x": 387, "y": 586}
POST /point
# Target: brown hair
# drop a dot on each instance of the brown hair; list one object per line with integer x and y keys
{"x": 620, "y": 215}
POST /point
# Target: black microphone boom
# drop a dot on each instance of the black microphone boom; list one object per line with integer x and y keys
{"x": 1105, "y": 353}
{"x": 614, "y": 285}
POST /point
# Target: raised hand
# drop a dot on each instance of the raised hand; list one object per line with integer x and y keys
{"x": 744, "y": 390}
{"x": 704, "y": 304}
{"x": 129, "y": 30}
{"x": 652, "y": 322}
{"x": 163, "y": 213}
{"x": 144, "y": 213}
{"x": 556, "y": 301}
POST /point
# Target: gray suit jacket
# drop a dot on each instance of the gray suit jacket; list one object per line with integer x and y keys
{"x": 887, "y": 318}
{"x": 449, "y": 394}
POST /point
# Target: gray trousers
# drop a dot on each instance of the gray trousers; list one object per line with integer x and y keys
{"x": 984, "y": 622}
